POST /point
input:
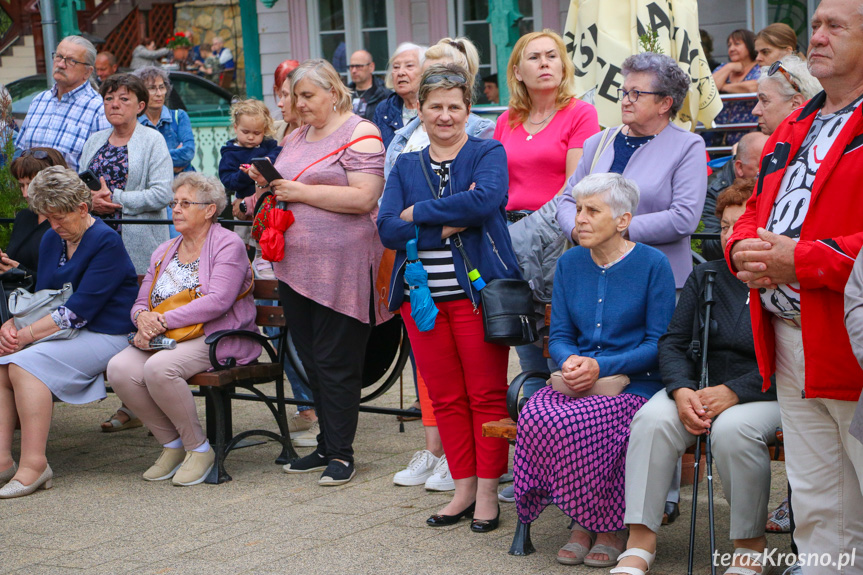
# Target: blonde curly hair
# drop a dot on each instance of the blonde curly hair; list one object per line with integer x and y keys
{"x": 255, "y": 109}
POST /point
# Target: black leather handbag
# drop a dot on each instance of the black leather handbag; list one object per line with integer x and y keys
{"x": 507, "y": 304}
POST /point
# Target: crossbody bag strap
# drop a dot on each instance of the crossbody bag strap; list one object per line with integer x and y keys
{"x": 604, "y": 142}
{"x": 156, "y": 273}
{"x": 457, "y": 241}
{"x": 334, "y": 152}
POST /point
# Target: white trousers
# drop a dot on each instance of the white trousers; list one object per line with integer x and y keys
{"x": 824, "y": 463}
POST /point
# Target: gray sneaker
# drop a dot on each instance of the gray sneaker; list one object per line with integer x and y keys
{"x": 507, "y": 494}
{"x": 307, "y": 438}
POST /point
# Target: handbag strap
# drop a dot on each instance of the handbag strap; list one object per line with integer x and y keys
{"x": 457, "y": 241}
{"x": 334, "y": 152}
{"x": 604, "y": 142}
{"x": 159, "y": 265}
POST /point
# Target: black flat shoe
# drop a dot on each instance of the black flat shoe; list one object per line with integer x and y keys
{"x": 672, "y": 512}
{"x": 485, "y": 525}
{"x": 444, "y": 520}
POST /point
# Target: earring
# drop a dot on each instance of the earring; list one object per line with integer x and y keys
{"x": 334, "y": 107}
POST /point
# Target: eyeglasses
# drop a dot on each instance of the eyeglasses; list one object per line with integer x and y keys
{"x": 38, "y": 154}
{"x": 633, "y": 95}
{"x": 357, "y": 66}
{"x": 157, "y": 89}
{"x": 435, "y": 78}
{"x": 778, "y": 67}
{"x": 185, "y": 204}
{"x": 67, "y": 61}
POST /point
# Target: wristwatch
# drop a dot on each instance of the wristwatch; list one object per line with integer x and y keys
{"x": 243, "y": 207}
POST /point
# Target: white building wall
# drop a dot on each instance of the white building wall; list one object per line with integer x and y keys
{"x": 720, "y": 18}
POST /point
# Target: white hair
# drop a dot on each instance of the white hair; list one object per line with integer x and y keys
{"x": 206, "y": 189}
{"x": 88, "y": 46}
{"x": 621, "y": 194}
{"x": 799, "y": 71}
{"x": 401, "y": 49}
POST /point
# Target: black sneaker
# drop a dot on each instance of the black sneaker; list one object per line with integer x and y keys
{"x": 314, "y": 461}
{"x": 337, "y": 473}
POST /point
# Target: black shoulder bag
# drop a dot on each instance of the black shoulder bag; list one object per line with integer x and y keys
{"x": 507, "y": 304}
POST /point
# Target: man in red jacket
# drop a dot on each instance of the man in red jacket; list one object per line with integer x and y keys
{"x": 795, "y": 247}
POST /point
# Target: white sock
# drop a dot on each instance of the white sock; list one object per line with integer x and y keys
{"x": 203, "y": 448}
{"x": 176, "y": 444}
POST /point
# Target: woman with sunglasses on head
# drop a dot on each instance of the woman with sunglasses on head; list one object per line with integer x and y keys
{"x": 462, "y": 201}
{"x": 783, "y": 86}
{"x": 211, "y": 260}
{"x": 29, "y": 227}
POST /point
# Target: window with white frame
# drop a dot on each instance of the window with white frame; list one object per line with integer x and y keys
{"x": 340, "y": 27}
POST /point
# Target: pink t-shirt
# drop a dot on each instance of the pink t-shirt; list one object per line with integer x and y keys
{"x": 537, "y": 167}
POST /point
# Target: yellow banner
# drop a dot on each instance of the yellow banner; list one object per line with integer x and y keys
{"x": 601, "y": 34}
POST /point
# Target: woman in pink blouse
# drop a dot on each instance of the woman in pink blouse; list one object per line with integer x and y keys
{"x": 332, "y": 254}
{"x": 546, "y": 126}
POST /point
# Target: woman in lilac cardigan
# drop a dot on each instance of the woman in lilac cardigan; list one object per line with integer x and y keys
{"x": 212, "y": 260}
{"x": 667, "y": 162}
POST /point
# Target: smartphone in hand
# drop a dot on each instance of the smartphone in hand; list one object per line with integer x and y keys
{"x": 265, "y": 168}
{"x": 92, "y": 181}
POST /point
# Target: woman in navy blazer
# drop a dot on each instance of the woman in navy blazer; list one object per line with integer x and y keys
{"x": 84, "y": 252}
{"x": 464, "y": 198}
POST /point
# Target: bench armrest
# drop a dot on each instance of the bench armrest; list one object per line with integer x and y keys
{"x": 214, "y": 338}
{"x": 512, "y": 400}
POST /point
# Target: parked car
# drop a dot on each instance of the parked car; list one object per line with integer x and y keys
{"x": 199, "y": 97}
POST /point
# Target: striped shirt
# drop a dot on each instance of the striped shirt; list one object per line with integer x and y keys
{"x": 442, "y": 280}
{"x": 63, "y": 124}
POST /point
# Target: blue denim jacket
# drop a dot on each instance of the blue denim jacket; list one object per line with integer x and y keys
{"x": 176, "y": 128}
{"x": 478, "y": 127}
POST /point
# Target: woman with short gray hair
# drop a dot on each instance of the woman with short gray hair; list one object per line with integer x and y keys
{"x": 403, "y": 77}
{"x": 783, "y": 87}
{"x": 174, "y": 125}
{"x": 612, "y": 300}
{"x": 84, "y": 252}
{"x": 212, "y": 261}
{"x": 666, "y": 161}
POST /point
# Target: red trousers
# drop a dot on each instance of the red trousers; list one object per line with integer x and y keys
{"x": 466, "y": 379}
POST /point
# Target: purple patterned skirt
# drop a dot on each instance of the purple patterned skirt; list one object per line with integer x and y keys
{"x": 572, "y": 452}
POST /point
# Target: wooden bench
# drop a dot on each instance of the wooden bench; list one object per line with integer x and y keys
{"x": 507, "y": 429}
{"x": 218, "y": 386}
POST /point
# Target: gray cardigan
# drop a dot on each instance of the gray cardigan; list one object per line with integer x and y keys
{"x": 671, "y": 174}
{"x": 148, "y": 189}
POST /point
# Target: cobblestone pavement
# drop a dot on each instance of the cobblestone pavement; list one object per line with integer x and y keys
{"x": 102, "y": 518}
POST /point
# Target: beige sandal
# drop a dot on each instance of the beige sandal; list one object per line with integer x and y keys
{"x": 575, "y": 547}
{"x": 113, "y": 424}
{"x": 612, "y": 552}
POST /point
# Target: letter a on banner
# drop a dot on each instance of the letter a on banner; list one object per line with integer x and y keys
{"x": 601, "y": 34}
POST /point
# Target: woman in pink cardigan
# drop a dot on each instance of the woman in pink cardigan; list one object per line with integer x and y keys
{"x": 212, "y": 260}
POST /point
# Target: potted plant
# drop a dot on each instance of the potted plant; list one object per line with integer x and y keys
{"x": 180, "y": 44}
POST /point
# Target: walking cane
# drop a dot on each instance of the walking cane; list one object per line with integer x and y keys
{"x": 699, "y": 351}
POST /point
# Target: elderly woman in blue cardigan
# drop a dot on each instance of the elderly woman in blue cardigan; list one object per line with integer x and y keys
{"x": 82, "y": 251}
{"x": 462, "y": 200}
{"x": 612, "y": 300}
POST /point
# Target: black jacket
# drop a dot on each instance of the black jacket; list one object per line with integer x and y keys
{"x": 721, "y": 179}
{"x": 365, "y": 106}
{"x": 26, "y": 237}
{"x": 731, "y": 349}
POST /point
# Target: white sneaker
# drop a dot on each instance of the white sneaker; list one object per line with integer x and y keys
{"x": 440, "y": 480}
{"x": 308, "y": 438}
{"x": 420, "y": 468}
